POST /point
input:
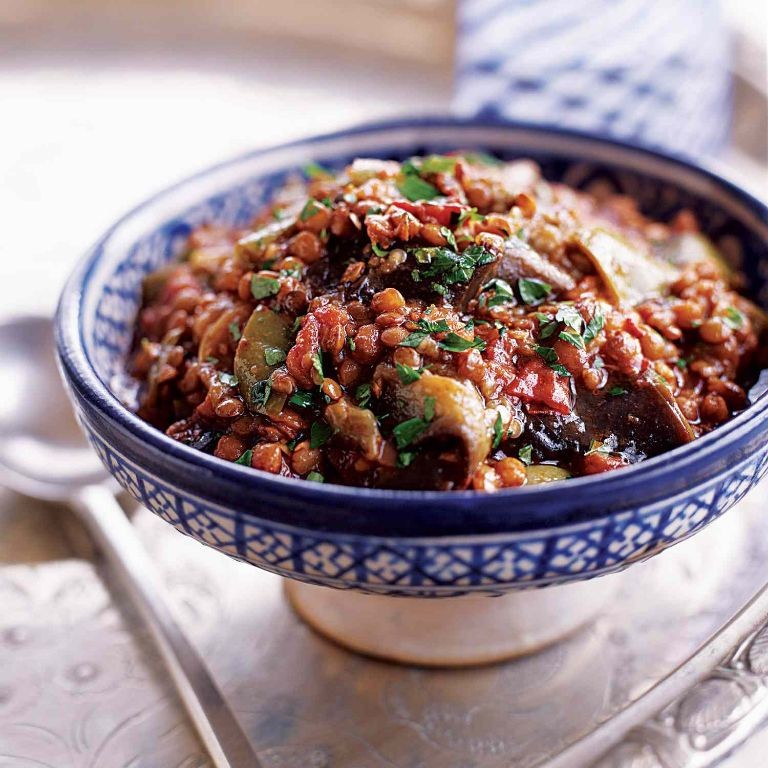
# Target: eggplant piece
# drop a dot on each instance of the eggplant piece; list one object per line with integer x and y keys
{"x": 217, "y": 337}
{"x": 455, "y": 441}
{"x": 630, "y": 275}
{"x": 690, "y": 248}
{"x": 265, "y": 335}
{"x": 250, "y": 249}
{"x": 645, "y": 421}
{"x": 519, "y": 260}
{"x": 538, "y": 474}
{"x": 355, "y": 426}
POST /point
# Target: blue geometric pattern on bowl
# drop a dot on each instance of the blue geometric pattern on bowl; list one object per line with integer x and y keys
{"x": 405, "y": 543}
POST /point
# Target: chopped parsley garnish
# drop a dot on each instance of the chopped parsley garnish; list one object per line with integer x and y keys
{"x": 548, "y": 329}
{"x": 426, "y": 327}
{"x": 498, "y": 431}
{"x": 482, "y": 158}
{"x": 570, "y": 316}
{"x": 447, "y": 266}
{"x": 412, "y": 186}
{"x": 405, "y": 458}
{"x": 407, "y": 374}
{"x": 733, "y": 318}
{"x": 617, "y": 391}
{"x": 316, "y": 171}
{"x": 352, "y": 344}
{"x": 550, "y": 357}
{"x": 302, "y": 398}
{"x": 437, "y": 164}
{"x": 245, "y": 458}
{"x": 547, "y": 353}
{"x": 455, "y": 343}
{"x": 450, "y": 238}
{"x": 234, "y": 331}
{"x": 227, "y": 378}
{"x": 315, "y": 477}
{"x": 502, "y": 293}
{"x": 319, "y": 434}
{"x": 470, "y": 215}
{"x": 261, "y": 287}
{"x": 572, "y": 338}
{"x": 525, "y": 454}
{"x": 379, "y": 251}
{"x": 407, "y": 431}
{"x": 260, "y": 392}
{"x": 681, "y": 363}
{"x": 273, "y": 355}
{"x": 317, "y": 364}
{"x": 313, "y": 207}
{"x": 533, "y": 291}
{"x": 594, "y": 326}
{"x": 363, "y": 395}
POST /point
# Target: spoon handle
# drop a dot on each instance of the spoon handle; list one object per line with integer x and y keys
{"x": 216, "y": 725}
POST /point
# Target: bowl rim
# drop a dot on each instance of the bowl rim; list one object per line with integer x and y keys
{"x": 82, "y": 375}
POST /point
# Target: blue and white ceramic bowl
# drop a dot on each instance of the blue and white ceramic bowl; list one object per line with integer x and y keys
{"x": 399, "y": 542}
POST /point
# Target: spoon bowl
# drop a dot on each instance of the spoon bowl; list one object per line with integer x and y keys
{"x": 43, "y": 452}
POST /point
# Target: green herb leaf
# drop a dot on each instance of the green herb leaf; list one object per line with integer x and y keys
{"x": 407, "y": 431}
{"x": 319, "y": 434}
{"x": 594, "y": 326}
{"x": 273, "y": 355}
{"x": 315, "y": 477}
{"x": 429, "y": 408}
{"x": 525, "y": 454}
{"x": 302, "y": 398}
{"x": 245, "y": 458}
{"x": 413, "y": 339}
{"x": 617, "y": 391}
{"x": 470, "y": 215}
{"x": 560, "y": 368}
{"x": 570, "y": 316}
{"x": 533, "y": 291}
{"x": 449, "y": 236}
{"x": 407, "y": 374}
{"x": 733, "y": 318}
{"x": 234, "y": 331}
{"x": 548, "y": 329}
{"x": 681, "y": 363}
{"x": 260, "y": 392}
{"x": 455, "y": 343}
{"x": 317, "y": 364}
{"x": 316, "y": 171}
{"x": 438, "y": 164}
{"x": 352, "y": 344}
{"x": 405, "y": 458}
{"x": 379, "y": 251}
{"x": 415, "y": 188}
{"x": 482, "y": 158}
{"x": 212, "y": 360}
{"x": 261, "y": 287}
{"x": 227, "y": 378}
{"x": 363, "y": 395}
{"x": 432, "y": 326}
{"x": 313, "y": 207}
{"x": 447, "y": 266}
{"x": 502, "y": 293}
{"x": 547, "y": 353}
{"x": 572, "y": 338}
{"x": 498, "y": 431}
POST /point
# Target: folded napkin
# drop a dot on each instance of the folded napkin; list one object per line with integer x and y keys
{"x": 654, "y": 72}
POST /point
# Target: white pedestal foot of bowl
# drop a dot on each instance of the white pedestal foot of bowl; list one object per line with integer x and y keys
{"x": 454, "y": 631}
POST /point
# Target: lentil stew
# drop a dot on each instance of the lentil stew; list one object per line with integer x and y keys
{"x": 448, "y": 322}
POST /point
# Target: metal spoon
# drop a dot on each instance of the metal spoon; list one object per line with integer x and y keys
{"x": 43, "y": 454}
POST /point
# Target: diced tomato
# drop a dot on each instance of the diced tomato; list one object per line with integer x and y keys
{"x": 536, "y": 382}
{"x": 440, "y": 213}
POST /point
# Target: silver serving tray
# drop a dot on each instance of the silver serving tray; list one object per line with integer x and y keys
{"x": 80, "y": 685}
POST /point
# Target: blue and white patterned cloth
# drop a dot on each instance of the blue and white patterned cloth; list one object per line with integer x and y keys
{"x": 652, "y": 72}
